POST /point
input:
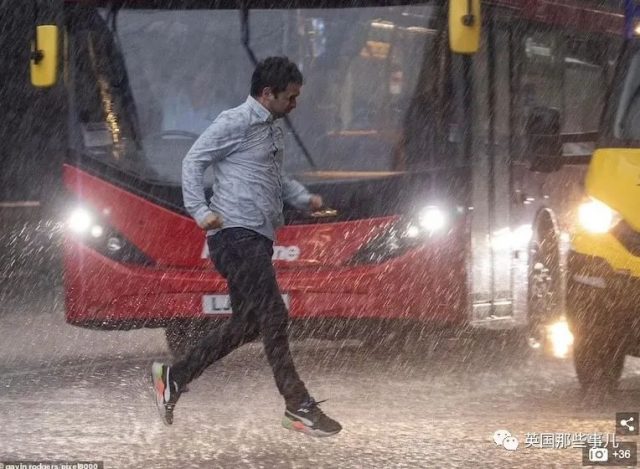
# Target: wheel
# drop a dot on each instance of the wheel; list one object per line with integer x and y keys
{"x": 544, "y": 288}
{"x": 598, "y": 357}
{"x": 600, "y": 344}
{"x": 184, "y": 334}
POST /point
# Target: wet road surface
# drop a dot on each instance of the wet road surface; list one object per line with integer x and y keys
{"x": 68, "y": 393}
{"x": 72, "y": 394}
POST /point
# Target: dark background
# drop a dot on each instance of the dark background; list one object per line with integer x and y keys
{"x": 32, "y": 131}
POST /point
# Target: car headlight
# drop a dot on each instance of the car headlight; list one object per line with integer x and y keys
{"x": 597, "y": 217}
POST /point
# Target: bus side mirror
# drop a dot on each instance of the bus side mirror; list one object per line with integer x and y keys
{"x": 464, "y": 26}
{"x": 544, "y": 145}
{"x": 44, "y": 56}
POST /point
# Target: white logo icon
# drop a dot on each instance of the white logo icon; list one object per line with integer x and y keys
{"x": 500, "y": 435}
{"x": 626, "y": 423}
{"x": 510, "y": 443}
{"x": 503, "y": 438}
{"x": 598, "y": 454}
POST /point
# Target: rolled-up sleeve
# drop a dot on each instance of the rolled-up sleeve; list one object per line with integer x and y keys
{"x": 219, "y": 140}
{"x": 295, "y": 194}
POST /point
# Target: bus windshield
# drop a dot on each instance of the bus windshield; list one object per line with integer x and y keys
{"x": 147, "y": 82}
{"x": 626, "y": 102}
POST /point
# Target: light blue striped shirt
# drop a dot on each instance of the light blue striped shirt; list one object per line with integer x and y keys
{"x": 245, "y": 146}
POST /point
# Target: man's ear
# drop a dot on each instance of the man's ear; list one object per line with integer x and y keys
{"x": 267, "y": 92}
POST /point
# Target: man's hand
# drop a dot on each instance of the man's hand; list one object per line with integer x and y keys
{"x": 315, "y": 203}
{"x": 211, "y": 222}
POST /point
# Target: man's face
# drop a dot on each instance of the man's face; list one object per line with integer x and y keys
{"x": 284, "y": 102}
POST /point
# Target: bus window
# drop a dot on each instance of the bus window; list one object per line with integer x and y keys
{"x": 626, "y": 125}
{"x": 361, "y": 87}
{"x": 540, "y": 79}
{"x": 105, "y": 109}
{"x": 433, "y": 125}
{"x": 568, "y": 73}
{"x": 585, "y": 83}
{"x": 613, "y": 47}
{"x": 542, "y": 69}
{"x": 183, "y": 67}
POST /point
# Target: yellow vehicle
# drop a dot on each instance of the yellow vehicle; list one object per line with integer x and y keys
{"x": 603, "y": 267}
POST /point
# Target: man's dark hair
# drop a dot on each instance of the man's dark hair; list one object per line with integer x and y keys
{"x": 276, "y": 73}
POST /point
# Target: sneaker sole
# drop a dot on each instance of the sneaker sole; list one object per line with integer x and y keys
{"x": 158, "y": 391}
{"x": 297, "y": 426}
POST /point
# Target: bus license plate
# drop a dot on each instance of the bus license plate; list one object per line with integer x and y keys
{"x": 221, "y": 304}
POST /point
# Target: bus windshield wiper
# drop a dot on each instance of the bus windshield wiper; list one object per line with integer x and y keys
{"x": 244, "y": 18}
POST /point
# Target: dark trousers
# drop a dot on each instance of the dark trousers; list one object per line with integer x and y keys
{"x": 243, "y": 258}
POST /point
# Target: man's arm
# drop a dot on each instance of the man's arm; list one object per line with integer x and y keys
{"x": 216, "y": 143}
{"x": 297, "y": 195}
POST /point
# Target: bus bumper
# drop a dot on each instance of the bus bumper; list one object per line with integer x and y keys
{"x": 102, "y": 293}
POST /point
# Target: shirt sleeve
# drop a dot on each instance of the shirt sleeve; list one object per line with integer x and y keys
{"x": 295, "y": 193}
{"x": 218, "y": 141}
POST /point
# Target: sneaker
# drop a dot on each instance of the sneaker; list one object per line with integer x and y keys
{"x": 309, "y": 419}
{"x": 166, "y": 391}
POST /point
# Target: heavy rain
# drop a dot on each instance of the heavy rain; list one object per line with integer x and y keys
{"x": 450, "y": 208}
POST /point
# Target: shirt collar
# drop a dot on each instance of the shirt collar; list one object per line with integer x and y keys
{"x": 263, "y": 113}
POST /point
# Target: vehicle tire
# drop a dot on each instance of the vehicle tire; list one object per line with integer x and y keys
{"x": 598, "y": 357}
{"x": 600, "y": 345}
{"x": 184, "y": 334}
{"x": 544, "y": 287}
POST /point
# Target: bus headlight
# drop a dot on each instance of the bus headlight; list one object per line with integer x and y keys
{"x": 80, "y": 221}
{"x": 405, "y": 234}
{"x": 95, "y": 232}
{"x": 432, "y": 219}
{"x": 597, "y": 217}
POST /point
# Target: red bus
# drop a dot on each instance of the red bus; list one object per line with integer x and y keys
{"x": 446, "y": 211}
